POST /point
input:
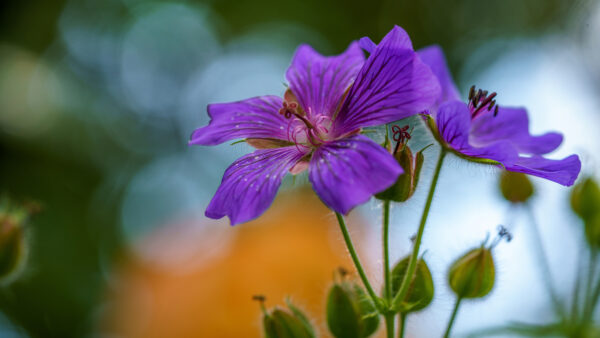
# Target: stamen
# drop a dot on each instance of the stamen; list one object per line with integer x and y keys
{"x": 480, "y": 100}
{"x": 400, "y": 135}
{"x": 503, "y": 233}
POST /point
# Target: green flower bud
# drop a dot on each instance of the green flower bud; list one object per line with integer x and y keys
{"x": 515, "y": 187}
{"x": 406, "y": 184}
{"x": 585, "y": 198}
{"x": 350, "y": 312}
{"x": 13, "y": 248}
{"x": 420, "y": 291}
{"x": 592, "y": 231}
{"x": 472, "y": 275}
{"x": 285, "y": 324}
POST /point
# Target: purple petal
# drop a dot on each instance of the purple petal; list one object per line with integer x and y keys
{"x": 367, "y": 44}
{"x": 319, "y": 82}
{"x": 257, "y": 117}
{"x": 563, "y": 171}
{"x": 397, "y": 35}
{"x": 512, "y": 124}
{"x": 454, "y": 123}
{"x": 393, "y": 84}
{"x": 433, "y": 56}
{"x": 250, "y": 184}
{"x": 347, "y": 172}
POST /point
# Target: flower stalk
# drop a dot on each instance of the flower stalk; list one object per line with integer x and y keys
{"x": 453, "y": 317}
{"x": 389, "y": 317}
{"x": 356, "y": 261}
{"x": 399, "y": 297}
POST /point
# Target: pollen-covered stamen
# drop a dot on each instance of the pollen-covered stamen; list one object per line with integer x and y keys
{"x": 480, "y": 100}
{"x": 400, "y": 135}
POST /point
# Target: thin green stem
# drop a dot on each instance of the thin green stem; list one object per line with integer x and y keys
{"x": 415, "y": 253}
{"x": 402, "y": 324}
{"x": 389, "y": 325}
{"x": 359, "y": 268}
{"x": 592, "y": 293}
{"x": 453, "y": 317}
{"x": 543, "y": 261}
{"x": 386, "y": 250}
{"x": 389, "y": 317}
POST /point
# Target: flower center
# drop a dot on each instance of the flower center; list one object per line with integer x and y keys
{"x": 480, "y": 102}
{"x": 304, "y": 130}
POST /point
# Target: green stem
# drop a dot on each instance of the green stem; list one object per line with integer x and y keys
{"x": 361, "y": 271}
{"x": 591, "y": 292}
{"x": 543, "y": 261}
{"x": 389, "y": 324}
{"x": 402, "y": 324}
{"x": 389, "y": 318}
{"x": 453, "y": 317}
{"x": 415, "y": 253}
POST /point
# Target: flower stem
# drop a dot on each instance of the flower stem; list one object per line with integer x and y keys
{"x": 389, "y": 317}
{"x": 453, "y": 317}
{"x": 415, "y": 253}
{"x": 402, "y": 324}
{"x": 361, "y": 271}
{"x": 543, "y": 261}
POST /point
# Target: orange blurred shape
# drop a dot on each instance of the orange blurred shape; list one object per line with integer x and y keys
{"x": 292, "y": 250}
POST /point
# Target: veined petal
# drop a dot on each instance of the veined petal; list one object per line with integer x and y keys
{"x": 397, "y": 36}
{"x": 347, "y": 172}
{"x": 433, "y": 56}
{"x": 454, "y": 122}
{"x": 319, "y": 82}
{"x": 563, "y": 171}
{"x": 512, "y": 124}
{"x": 393, "y": 84}
{"x": 257, "y": 117}
{"x": 250, "y": 184}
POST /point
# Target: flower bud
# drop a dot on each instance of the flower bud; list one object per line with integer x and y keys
{"x": 420, "y": 292}
{"x": 406, "y": 184}
{"x": 585, "y": 199}
{"x": 350, "y": 312}
{"x": 13, "y": 248}
{"x": 472, "y": 275}
{"x": 515, "y": 187}
{"x": 285, "y": 324}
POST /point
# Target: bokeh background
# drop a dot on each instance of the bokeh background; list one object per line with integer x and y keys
{"x": 98, "y": 99}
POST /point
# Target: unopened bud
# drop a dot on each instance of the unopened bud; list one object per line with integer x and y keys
{"x": 350, "y": 312}
{"x": 585, "y": 199}
{"x": 13, "y": 248}
{"x": 281, "y": 323}
{"x": 420, "y": 291}
{"x": 406, "y": 184}
{"x": 472, "y": 275}
{"x": 515, "y": 187}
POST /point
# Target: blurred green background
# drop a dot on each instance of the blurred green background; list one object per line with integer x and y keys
{"x": 98, "y": 98}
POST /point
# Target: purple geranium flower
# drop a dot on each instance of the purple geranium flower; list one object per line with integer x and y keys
{"x": 316, "y": 126}
{"x": 482, "y": 131}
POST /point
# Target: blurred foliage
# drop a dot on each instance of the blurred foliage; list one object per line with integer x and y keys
{"x": 77, "y": 239}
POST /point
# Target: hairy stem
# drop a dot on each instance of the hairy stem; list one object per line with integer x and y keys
{"x": 453, "y": 317}
{"x": 359, "y": 268}
{"x": 408, "y": 276}
{"x": 402, "y": 324}
{"x": 389, "y": 318}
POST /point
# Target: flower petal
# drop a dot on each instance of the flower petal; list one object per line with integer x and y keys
{"x": 512, "y": 124}
{"x": 433, "y": 56}
{"x": 250, "y": 184}
{"x": 393, "y": 84}
{"x": 319, "y": 82}
{"x": 563, "y": 171}
{"x": 257, "y": 117}
{"x": 454, "y": 122}
{"x": 347, "y": 172}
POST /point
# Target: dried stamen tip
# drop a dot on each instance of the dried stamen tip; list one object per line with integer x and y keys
{"x": 342, "y": 272}
{"x": 259, "y": 298}
{"x": 503, "y": 233}
{"x": 400, "y": 135}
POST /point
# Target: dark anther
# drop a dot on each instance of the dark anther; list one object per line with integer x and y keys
{"x": 471, "y": 92}
{"x": 480, "y": 100}
{"x": 400, "y": 135}
{"x": 259, "y": 298}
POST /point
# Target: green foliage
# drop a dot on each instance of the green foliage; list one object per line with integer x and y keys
{"x": 421, "y": 290}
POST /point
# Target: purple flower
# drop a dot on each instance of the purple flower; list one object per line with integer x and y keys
{"x": 485, "y": 132}
{"x": 316, "y": 126}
